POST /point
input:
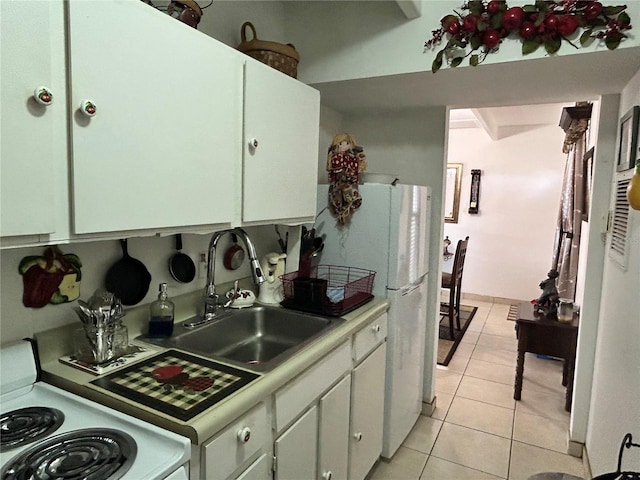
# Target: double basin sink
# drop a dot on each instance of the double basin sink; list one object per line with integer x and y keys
{"x": 256, "y": 338}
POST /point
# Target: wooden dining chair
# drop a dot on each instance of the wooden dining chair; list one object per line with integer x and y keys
{"x": 452, "y": 281}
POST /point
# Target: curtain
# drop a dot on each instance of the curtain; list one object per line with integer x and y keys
{"x": 567, "y": 242}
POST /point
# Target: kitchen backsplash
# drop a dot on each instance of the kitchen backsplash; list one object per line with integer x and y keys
{"x": 18, "y": 321}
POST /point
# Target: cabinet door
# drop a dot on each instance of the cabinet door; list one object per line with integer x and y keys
{"x": 333, "y": 448}
{"x": 258, "y": 470}
{"x": 296, "y": 449}
{"x": 280, "y": 174}
{"x": 367, "y": 408}
{"x": 163, "y": 148}
{"x": 28, "y": 129}
{"x": 236, "y": 444}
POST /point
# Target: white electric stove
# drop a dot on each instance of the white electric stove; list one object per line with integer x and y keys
{"x": 47, "y": 433}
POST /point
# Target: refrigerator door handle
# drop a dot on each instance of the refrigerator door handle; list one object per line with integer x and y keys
{"x": 411, "y": 288}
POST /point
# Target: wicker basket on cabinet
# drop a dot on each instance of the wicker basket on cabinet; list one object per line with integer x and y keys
{"x": 282, "y": 57}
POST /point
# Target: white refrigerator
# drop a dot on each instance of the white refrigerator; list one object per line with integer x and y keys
{"x": 389, "y": 234}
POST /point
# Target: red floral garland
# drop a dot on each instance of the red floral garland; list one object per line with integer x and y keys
{"x": 483, "y": 25}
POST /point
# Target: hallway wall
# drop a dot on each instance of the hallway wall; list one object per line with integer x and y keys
{"x": 615, "y": 399}
{"x": 511, "y": 239}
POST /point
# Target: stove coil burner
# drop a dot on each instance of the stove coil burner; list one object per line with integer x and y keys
{"x": 26, "y": 425}
{"x": 88, "y": 454}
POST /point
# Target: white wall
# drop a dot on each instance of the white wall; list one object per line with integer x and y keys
{"x": 359, "y": 39}
{"x": 18, "y": 321}
{"x": 511, "y": 239}
{"x": 615, "y": 399}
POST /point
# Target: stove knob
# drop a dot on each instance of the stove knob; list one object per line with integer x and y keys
{"x": 244, "y": 435}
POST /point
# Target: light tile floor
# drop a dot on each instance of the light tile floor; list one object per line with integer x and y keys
{"x": 477, "y": 430}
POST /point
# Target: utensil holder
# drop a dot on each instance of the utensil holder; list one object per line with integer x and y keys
{"x": 98, "y": 345}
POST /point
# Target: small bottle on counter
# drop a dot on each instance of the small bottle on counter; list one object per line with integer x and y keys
{"x": 161, "y": 314}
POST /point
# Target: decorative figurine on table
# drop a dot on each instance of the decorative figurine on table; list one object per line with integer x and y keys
{"x": 345, "y": 161}
{"x": 446, "y": 253}
{"x": 547, "y": 303}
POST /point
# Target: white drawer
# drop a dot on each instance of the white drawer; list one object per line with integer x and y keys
{"x": 294, "y": 397}
{"x": 369, "y": 337}
{"x": 236, "y": 444}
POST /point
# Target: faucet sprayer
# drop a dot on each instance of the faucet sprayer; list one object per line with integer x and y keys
{"x": 211, "y": 297}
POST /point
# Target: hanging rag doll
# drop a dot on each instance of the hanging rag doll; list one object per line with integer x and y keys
{"x": 345, "y": 161}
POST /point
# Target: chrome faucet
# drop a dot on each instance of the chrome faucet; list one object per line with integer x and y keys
{"x": 211, "y": 298}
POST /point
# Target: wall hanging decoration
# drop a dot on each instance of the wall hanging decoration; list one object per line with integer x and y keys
{"x": 479, "y": 28}
{"x": 628, "y": 139}
{"x": 474, "y": 201}
{"x": 587, "y": 182}
{"x": 53, "y": 278}
{"x": 452, "y": 192}
{"x": 345, "y": 161}
{"x": 574, "y": 121}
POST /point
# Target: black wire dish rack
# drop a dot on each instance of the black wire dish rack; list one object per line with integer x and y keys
{"x": 328, "y": 289}
{"x": 627, "y": 442}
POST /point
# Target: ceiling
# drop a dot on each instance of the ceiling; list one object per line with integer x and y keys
{"x": 558, "y": 79}
{"x": 495, "y": 119}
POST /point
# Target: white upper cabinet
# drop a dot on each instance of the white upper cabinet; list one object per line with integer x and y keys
{"x": 148, "y": 130}
{"x": 281, "y": 129}
{"x": 163, "y": 147}
{"x": 28, "y": 128}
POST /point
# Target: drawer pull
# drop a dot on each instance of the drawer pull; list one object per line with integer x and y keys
{"x": 244, "y": 435}
{"x": 88, "y": 108}
{"x": 43, "y": 96}
{"x": 357, "y": 436}
{"x": 253, "y": 143}
{"x": 327, "y": 475}
{"x": 376, "y": 328}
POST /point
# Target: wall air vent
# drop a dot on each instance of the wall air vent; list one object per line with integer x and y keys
{"x": 620, "y": 224}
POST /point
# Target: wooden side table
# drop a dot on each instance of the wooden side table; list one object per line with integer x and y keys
{"x": 543, "y": 336}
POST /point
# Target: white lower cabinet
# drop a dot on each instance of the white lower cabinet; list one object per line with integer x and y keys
{"x": 296, "y": 449}
{"x": 236, "y": 445}
{"x": 324, "y": 424}
{"x": 367, "y": 409}
{"x": 258, "y": 470}
{"x": 333, "y": 443}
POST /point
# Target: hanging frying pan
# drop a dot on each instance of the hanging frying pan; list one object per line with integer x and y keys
{"x": 181, "y": 266}
{"x": 234, "y": 256}
{"x": 128, "y": 278}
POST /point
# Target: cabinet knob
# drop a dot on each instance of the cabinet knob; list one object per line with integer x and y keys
{"x": 357, "y": 436}
{"x": 328, "y": 475}
{"x": 244, "y": 435}
{"x": 88, "y": 108}
{"x": 43, "y": 96}
{"x": 376, "y": 328}
{"x": 253, "y": 143}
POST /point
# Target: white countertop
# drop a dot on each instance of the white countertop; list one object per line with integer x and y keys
{"x": 52, "y": 343}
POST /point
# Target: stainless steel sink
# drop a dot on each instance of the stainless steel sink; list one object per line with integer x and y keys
{"x": 257, "y": 338}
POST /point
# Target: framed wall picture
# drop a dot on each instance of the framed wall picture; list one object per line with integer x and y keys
{"x": 587, "y": 182}
{"x": 628, "y": 140}
{"x": 452, "y": 192}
